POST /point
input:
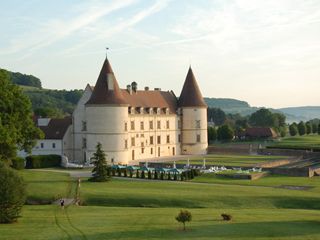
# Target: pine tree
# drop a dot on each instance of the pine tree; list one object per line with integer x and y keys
{"x": 100, "y": 170}
{"x": 149, "y": 175}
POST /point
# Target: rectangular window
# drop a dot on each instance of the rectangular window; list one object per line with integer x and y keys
{"x": 41, "y": 145}
{"x": 84, "y": 126}
{"x": 142, "y": 150}
{"x": 168, "y": 138}
{"x": 151, "y": 140}
{"x": 151, "y": 125}
{"x": 126, "y": 144}
{"x": 141, "y": 125}
{"x": 179, "y": 138}
{"x": 84, "y": 142}
{"x": 151, "y": 150}
{"x": 198, "y": 125}
{"x": 198, "y": 138}
{"x": 53, "y": 145}
{"x": 168, "y": 124}
{"x": 125, "y": 126}
{"x": 158, "y": 139}
{"x": 179, "y": 124}
{"x": 133, "y": 141}
{"x": 158, "y": 124}
{"x": 132, "y": 125}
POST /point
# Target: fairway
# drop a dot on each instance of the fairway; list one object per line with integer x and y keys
{"x": 298, "y": 142}
{"x": 232, "y": 160}
{"x": 142, "y": 209}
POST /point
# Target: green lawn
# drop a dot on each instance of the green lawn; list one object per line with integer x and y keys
{"x": 125, "y": 209}
{"x": 298, "y": 142}
{"x": 232, "y": 160}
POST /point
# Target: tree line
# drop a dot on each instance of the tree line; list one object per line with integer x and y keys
{"x": 305, "y": 128}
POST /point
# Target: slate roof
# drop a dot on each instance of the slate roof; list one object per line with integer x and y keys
{"x": 191, "y": 95}
{"x": 56, "y": 128}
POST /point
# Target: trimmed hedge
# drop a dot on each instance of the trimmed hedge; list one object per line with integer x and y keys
{"x": 18, "y": 163}
{"x": 303, "y": 148}
{"x": 43, "y": 161}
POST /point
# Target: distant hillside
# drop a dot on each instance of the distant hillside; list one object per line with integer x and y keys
{"x": 24, "y": 79}
{"x": 46, "y": 102}
{"x": 293, "y": 114}
{"x": 302, "y": 113}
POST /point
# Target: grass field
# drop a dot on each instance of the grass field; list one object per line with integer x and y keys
{"x": 298, "y": 142}
{"x": 126, "y": 209}
{"x": 232, "y": 160}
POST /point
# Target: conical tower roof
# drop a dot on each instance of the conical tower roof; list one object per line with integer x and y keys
{"x": 106, "y": 90}
{"x": 190, "y": 95}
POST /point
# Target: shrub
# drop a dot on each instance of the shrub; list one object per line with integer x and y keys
{"x": 226, "y": 217}
{"x": 175, "y": 177}
{"x": 125, "y": 173}
{"x": 156, "y": 175}
{"x": 149, "y": 175}
{"x": 43, "y": 161}
{"x": 137, "y": 174}
{"x": 119, "y": 172}
{"x": 161, "y": 176}
{"x": 183, "y": 217}
{"x": 12, "y": 195}
{"x": 131, "y": 174}
{"x": 113, "y": 172}
{"x": 143, "y": 175}
{"x": 18, "y": 163}
{"x": 169, "y": 176}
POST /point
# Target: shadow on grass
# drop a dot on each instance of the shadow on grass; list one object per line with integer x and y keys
{"x": 251, "y": 230}
{"x": 297, "y": 203}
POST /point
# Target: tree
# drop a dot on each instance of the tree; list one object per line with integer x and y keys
{"x": 183, "y": 217}
{"x": 100, "y": 170}
{"x": 308, "y": 128}
{"x": 263, "y": 118}
{"x": 302, "y": 128}
{"x": 319, "y": 129}
{"x": 217, "y": 116}
{"x": 225, "y": 133}
{"x": 12, "y": 194}
{"x": 314, "y": 127}
{"x": 17, "y": 130}
{"x": 293, "y": 129}
{"x": 212, "y": 134}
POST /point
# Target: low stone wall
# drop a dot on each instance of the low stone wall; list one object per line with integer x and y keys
{"x": 288, "y": 152}
{"x": 253, "y": 176}
{"x": 294, "y": 172}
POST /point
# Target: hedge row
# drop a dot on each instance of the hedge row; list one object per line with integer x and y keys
{"x": 18, "y": 163}
{"x": 43, "y": 161}
{"x": 314, "y": 149}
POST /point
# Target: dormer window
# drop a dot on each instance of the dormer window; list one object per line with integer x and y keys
{"x": 167, "y": 111}
{"x": 150, "y": 110}
{"x": 141, "y": 110}
{"x": 158, "y": 110}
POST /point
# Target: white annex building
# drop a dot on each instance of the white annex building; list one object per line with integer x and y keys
{"x": 131, "y": 124}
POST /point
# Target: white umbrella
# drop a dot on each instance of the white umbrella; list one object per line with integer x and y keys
{"x": 188, "y": 163}
{"x": 174, "y": 164}
{"x": 204, "y": 163}
{"x": 146, "y": 164}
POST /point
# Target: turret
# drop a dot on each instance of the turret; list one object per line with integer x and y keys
{"x": 193, "y": 117}
{"x": 106, "y": 117}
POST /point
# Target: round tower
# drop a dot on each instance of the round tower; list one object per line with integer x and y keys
{"x": 193, "y": 111}
{"x": 107, "y": 118}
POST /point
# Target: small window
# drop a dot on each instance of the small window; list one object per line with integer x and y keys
{"x": 198, "y": 138}
{"x": 53, "y": 145}
{"x": 141, "y": 125}
{"x": 133, "y": 141}
{"x": 41, "y": 145}
{"x": 84, "y": 126}
{"x": 125, "y": 126}
{"x": 168, "y": 138}
{"x": 179, "y": 138}
{"x": 168, "y": 124}
{"x": 179, "y": 124}
{"x": 158, "y": 124}
{"x": 132, "y": 125}
{"x": 151, "y": 125}
{"x": 84, "y": 142}
{"x": 198, "y": 125}
{"x": 158, "y": 139}
{"x": 151, "y": 140}
{"x": 151, "y": 150}
{"x": 142, "y": 150}
{"x": 126, "y": 144}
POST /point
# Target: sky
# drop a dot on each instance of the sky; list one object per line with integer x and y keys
{"x": 264, "y": 52}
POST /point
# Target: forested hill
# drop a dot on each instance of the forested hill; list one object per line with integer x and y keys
{"x": 24, "y": 79}
{"x": 46, "y": 102}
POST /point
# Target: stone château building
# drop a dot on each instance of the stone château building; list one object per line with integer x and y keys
{"x": 133, "y": 124}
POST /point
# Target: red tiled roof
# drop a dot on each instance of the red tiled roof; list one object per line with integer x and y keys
{"x": 56, "y": 128}
{"x": 190, "y": 95}
{"x": 260, "y": 132}
{"x": 103, "y": 93}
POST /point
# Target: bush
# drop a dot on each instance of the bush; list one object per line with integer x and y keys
{"x": 131, "y": 173}
{"x": 43, "y": 161}
{"x": 18, "y": 163}
{"x": 12, "y": 195}
{"x": 183, "y": 217}
{"x": 226, "y": 217}
{"x": 149, "y": 175}
{"x": 137, "y": 174}
{"x": 156, "y": 175}
{"x": 161, "y": 176}
{"x": 143, "y": 175}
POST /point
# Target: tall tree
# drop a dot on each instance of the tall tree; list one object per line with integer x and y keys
{"x": 308, "y": 127}
{"x": 17, "y": 130}
{"x": 212, "y": 134}
{"x": 302, "y": 128}
{"x": 100, "y": 171}
{"x": 262, "y": 118}
{"x": 217, "y": 116}
{"x": 225, "y": 133}
{"x": 293, "y": 129}
{"x": 319, "y": 129}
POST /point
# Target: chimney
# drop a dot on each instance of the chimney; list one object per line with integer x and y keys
{"x": 134, "y": 86}
{"x": 129, "y": 89}
{"x": 157, "y": 89}
{"x": 146, "y": 88}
